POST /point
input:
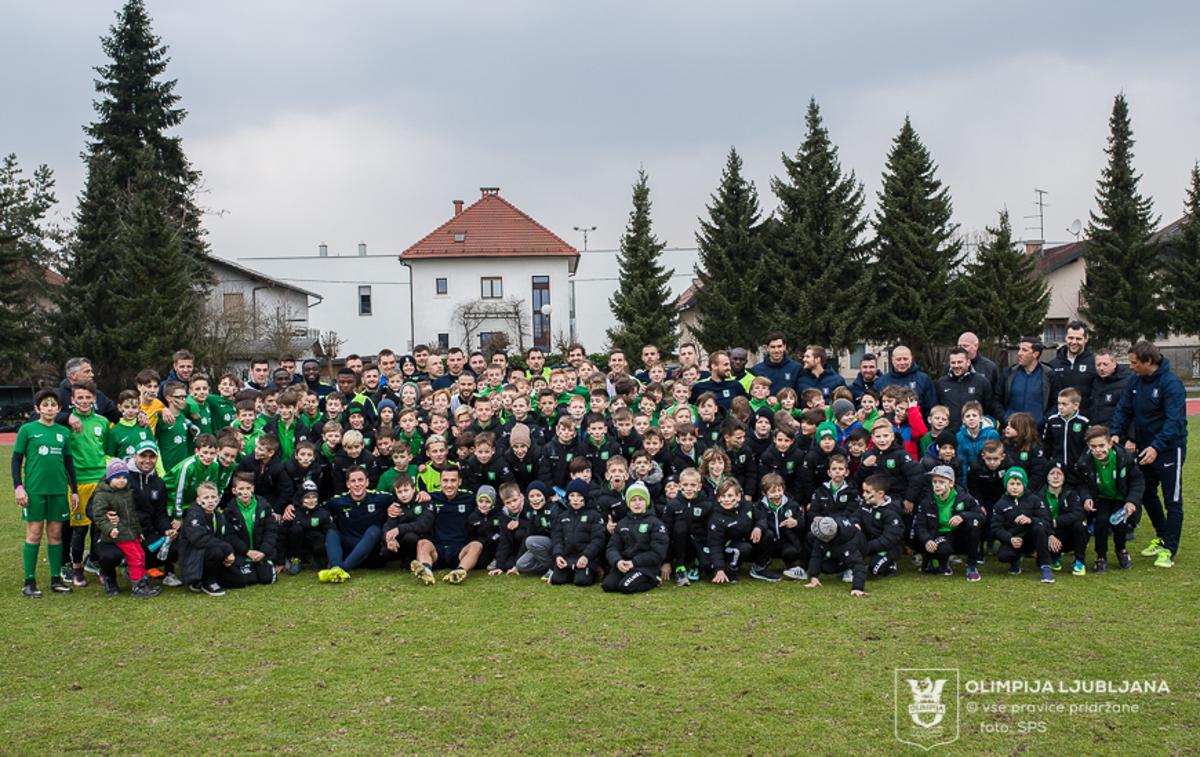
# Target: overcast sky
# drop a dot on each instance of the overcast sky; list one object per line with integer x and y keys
{"x": 361, "y": 121}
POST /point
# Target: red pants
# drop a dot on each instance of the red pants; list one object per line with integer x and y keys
{"x": 135, "y": 558}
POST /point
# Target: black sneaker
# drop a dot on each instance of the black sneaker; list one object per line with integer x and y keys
{"x": 946, "y": 569}
{"x": 1101, "y": 565}
{"x": 212, "y": 589}
{"x": 110, "y": 586}
{"x": 1123, "y": 559}
{"x": 732, "y": 575}
{"x": 195, "y": 587}
{"x": 144, "y": 590}
{"x": 31, "y": 590}
{"x": 1015, "y": 568}
{"x": 764, "y": 574}
{"x": 59, "y": 585}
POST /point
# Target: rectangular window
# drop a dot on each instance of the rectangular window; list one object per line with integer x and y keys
{"x": 364, "y": 300}
{"x": 234, "y": 303}
{"x": 1056, "y": 332}
{"x": 541, "y": 312}
{"x": 856, "y": 354}
{"x": 444, "y": 341}
{"x": 491, "y": 287}
{"x": 440, "y": 286}
{"x": 485, "y": 338}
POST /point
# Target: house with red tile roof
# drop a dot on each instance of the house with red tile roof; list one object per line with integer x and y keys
{"x": 490, "y": 269}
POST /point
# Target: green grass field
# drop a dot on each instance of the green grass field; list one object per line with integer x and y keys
{"x": 504, "y": 665}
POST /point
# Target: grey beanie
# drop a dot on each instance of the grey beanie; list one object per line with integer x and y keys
{"x": 824, "y": 528}
{"x": 486, "y": 492}
{"x": 840, "y": 407}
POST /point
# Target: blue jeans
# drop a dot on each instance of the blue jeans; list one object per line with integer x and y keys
{"x": 360, "y": 549}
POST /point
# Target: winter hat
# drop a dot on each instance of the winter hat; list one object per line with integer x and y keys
{"x": 413, "y": 384}
{"x": 637, "y": 489}
{"x": 115, "y": 468}
{"x": 519, "y": 435}
{"x": 486, "y": 492}
{"x": 946, "y": 436}
{"x": 308, "y": 486}
{"x": 578, "y": 486}
{"x": 386, "y": 403}
{"x": 537, "y": 486}
{"x": 1015, "y": 472}
{"x": 942, "y": 471}
{"x": 827, "y": 429}
{"x": 841, "y": 406}
{"x": 765, "y": 412}
{"x": 824, "y": 528}
{"x": 355, "y": 409}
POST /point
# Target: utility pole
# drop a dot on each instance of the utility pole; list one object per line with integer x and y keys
{"x": 571, "y": 317}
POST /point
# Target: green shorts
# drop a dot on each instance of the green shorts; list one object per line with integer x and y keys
{"x": 46, "y": 507}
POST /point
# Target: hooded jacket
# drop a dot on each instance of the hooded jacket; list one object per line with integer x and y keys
{"x": 844, "y": 552}
{"x": 927, "y": 523}
{"x": 106, "y": 500}
{"x": 641, "y": 539}
{"x": 578, "y": 533}
{"x": 1156, "y": 406}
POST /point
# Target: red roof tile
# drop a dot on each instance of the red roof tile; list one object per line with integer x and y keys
{"x": 687, "y": 300}
{"x": 491, "y": 227}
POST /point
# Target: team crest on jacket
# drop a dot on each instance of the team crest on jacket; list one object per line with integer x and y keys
{"x": 643, "y": 528}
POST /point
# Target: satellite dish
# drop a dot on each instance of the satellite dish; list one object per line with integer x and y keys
{"x": 1075, "y": 227}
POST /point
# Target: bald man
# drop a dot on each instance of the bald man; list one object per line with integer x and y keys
{"x": 979, "y": 363}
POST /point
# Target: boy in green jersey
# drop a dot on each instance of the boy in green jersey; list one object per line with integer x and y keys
{"x": 125, "y": 434}
{"x": 175, "y": 438}
{"x": 87, "y": 452}
{"x": 198, "y": 410}
{"x": 43, "y": 473}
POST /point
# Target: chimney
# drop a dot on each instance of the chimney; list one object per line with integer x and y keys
{"x": 323, "y": 250}
{"x": 1034, "y": 247}
{"x": 362, "y": 249}
{"x": 458, "y": 206}
{"x": 485, "y": 191}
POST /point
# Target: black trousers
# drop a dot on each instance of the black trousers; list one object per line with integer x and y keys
{"x": 305, "y": 541}
{"x": 1074, "y": 537}
{"x": 1104, "y": 510}
{"x": 1036, "y": 541}
{"x": 963, "y": 539}
{"x": 572, "y": 575}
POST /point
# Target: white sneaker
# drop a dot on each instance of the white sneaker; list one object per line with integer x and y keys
{"x": 171, "y": 581}
{"x": 796, "y": 573}
{"x": 848, "y": 576}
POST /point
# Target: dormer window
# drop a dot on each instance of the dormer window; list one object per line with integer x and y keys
{"x": 460, "y": 237}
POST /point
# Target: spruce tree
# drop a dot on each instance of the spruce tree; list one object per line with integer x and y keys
{"x": 818, "y": 258}
{"x": 916, "y": 253}
{"x": 135, "y": 109}
{"x": 731, "y": 265}
{"x": 157, "y": 291}
{"x": 1183, "y": 266}
{"x": 642, "y": 305}
{"x": 1121, "y": 291}
{"x": 25, "y": 256}
{"x": 1003, "y": 297}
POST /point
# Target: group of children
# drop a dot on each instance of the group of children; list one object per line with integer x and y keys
{"x": 569, "y": 474}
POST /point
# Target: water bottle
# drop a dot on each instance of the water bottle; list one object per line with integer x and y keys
{"x": 165, "y": 550}
{"x": 1118, "y": 517}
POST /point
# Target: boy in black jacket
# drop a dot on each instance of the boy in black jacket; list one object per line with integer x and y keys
{"x": 251, "y": 530}
{"x": 743, "y": 464}
{"x": 409, "y": 521}
{"x": 816, "y": 461}
{"x": 882, "y": 527}
{"x": 783, "y": 458}
{"x": 484, "y": 467}
{"x": 1063, "y": 435}
{"x": 1068, "y": 518}
{"x": 577, "y": 540}
{"x": 1022, "y": 524}
{"x": 906, "y": 477}
{"x": 521, "y": 457}
{"x": 597, "y": 447}
{"x": 737, "y": 532}
{"x": 306, "y": 531}
{"x": 837, "y": 547}
{"x": 352, "y": 454}
{"x": 270, "y": 481}
{"x": 1111, "y": 481}
{"x": 205, "y": 554}
{"x": 949, "y": 521}
{"x": 556, "y": 456}
{"x": 638, "y": 546}
{"x": 686, "y": 518}
{"x": 785, "y": 522}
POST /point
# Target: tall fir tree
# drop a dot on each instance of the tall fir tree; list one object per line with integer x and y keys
{"x": 1002, "y": 296}
{"x": 642, "y": 305}
{"x": 1121, "y": 289}
{"x": 26, "y": 254}
{"x": 732, "y": 265}
{"x": 818, "y": 255}
{"x": 135, "y": 109}
{"x": 1183, "y": 265}
{"x": 917, "y": 254}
